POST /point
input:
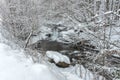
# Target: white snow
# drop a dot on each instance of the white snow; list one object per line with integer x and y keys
{"x": 77, "y": 72}
{"x": 70, "y": 35}
{"x": 108, "y": 12}
{"x": 57, "y": 57}
{"x": 14, "y": 66}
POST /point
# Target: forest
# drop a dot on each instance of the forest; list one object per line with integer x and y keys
{"x": 74, "y": 39}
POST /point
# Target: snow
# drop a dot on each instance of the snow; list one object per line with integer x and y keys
{"x": 40, "y": 34}
{"x": 72, "y": 76}
{"x": 14, "y": 66}
{"x": 70, "y": 35}
{"x": 77, "y": 72}
{"x": 41, "y": 72}
{"x": 108, "y": 12}
{"x": 57, "y": 57}
{"x": 115, "y": 37}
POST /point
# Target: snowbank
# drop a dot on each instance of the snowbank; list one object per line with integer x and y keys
{"x": 15, "y": 66}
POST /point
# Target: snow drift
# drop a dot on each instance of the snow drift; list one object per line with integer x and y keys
{"x": 15, "y": 66}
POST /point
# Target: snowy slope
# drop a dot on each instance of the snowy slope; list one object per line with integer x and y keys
{"x": 14, "y": 66}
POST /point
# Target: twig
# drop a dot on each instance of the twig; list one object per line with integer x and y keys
{"x": 27, "y": 40}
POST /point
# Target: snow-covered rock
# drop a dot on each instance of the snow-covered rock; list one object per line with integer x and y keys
{"x": 57, "y": 57}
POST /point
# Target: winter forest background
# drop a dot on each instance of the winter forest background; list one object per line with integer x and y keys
{"x": 85, "y": 31}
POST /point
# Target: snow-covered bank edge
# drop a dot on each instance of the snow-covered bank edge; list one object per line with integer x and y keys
{"x": 15, "y": 66}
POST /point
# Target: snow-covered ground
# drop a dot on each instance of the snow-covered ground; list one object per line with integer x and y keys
{"x": 14, "y": 66}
